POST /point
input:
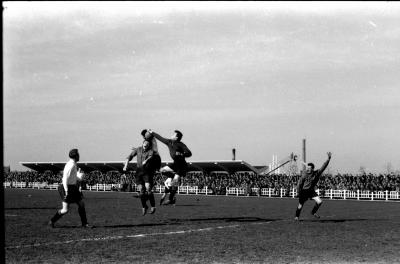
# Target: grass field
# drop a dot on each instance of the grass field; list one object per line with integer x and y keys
{"x": 199, "y": 229}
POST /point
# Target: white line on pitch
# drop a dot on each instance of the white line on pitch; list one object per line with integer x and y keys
{"x": 128, "y": 236}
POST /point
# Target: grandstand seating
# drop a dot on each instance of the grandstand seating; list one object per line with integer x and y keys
{"x": 360, "y": 187}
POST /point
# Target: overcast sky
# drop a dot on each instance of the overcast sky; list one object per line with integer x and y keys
{"x": 255, "y": 76}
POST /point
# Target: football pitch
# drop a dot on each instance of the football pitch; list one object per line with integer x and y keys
{"x": 199, "y": 229}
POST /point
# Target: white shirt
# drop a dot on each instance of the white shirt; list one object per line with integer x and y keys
{"x": 168, "y": 182}
{"x": 70, "y": 174}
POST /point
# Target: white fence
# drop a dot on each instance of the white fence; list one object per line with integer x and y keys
{"x": 268, "y": 192}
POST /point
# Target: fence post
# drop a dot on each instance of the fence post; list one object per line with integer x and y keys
{"x": 226, "y": 188}
{"x": 293, "y": 193}
{"x": 331, "y": 194}
{"x": 386, "y": 193}
{"x": 281, "y": 193}
{"x": 237, "y": 191}
{"x": 372, "y": 196}
{"x": 197, "y": 190}
{"x": 206, "y": 190}
{"x": 344, "y": 194}
{"x": 104, "y": 187}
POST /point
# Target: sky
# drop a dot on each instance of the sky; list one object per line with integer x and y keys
{"x": 255, "y": 76}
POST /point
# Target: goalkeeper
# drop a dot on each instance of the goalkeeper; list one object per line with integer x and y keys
{"x": 178, "y": 152}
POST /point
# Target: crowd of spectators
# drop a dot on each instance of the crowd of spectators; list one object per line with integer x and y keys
{"x": 219, "y": 181}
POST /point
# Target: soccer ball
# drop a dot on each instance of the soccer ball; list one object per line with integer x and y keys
{"x": 147, "y": 135}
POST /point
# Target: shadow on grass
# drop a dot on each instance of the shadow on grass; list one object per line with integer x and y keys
{"x": 117, "y": 226}
{"x": 223, "y": 219}
{"x": 183, "y": 221}
{"x": 334, "y": 220}
{"x": 188, "y": 205}
{"x": 31, "y": 208}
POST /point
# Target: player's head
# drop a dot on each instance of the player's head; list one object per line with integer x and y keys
{"x": 310, "y": 167}
{"x": 74, "y": 154}
{"x": 177, "y": 135}
{"x": 146, "y": 144}
{"x": 146, "y": 134}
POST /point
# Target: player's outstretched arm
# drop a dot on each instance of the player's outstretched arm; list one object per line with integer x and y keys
{"x": 326, "y": 163}
{"x": 157, "y": 136}
{"x": 129, "y": 158}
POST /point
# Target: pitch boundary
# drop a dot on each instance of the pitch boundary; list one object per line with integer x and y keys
{"x": 106, "y": 238}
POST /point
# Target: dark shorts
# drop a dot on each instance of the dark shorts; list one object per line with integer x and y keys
{"x": 142, "y": 176}
{"x": 179, "y": 167}
{"x": 306, "y": 195}
{"x": 74, "y": 195}
{"x": 154, "y": 163}
{"x": 167, "y": 190}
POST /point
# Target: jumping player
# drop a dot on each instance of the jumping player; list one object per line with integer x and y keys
{"x": 69, "y": 190}
{"x": 147, "y": 163}
{"x": 306, "y": 187}
{"x": 178, "y": 152}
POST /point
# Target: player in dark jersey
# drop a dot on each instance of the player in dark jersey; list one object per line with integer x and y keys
{"x": 146, "y": 168}
{"x": 178, "y": 152}
{"x": 306, "y": 187}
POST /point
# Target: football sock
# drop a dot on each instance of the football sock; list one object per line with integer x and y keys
{"x": 143, "y": 199}
{"x": 315, "y": 209}
{"x": 82, "y": 214}
{"x": 56, "y": 217}
{"x": 172, "y": 194}
{"x": 151, "y": 199}
{"x": 298, "y": 212}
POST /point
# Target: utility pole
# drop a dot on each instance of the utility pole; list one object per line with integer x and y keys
{"x": 304, "y": 154}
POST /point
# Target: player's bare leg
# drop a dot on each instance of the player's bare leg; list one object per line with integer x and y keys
{"x": 150, "y": 195}
{"x": 163, "y": 198}
{"x": 174, "y": 189}
{"x": 318, "y": 203}
{"x": 143, "y": 198}
{"x": 298, "y": 211}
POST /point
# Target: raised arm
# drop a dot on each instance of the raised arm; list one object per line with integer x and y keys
{"x": 321, "y": 170}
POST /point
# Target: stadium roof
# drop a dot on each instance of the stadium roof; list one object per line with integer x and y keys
{"x": 229, "y": 166}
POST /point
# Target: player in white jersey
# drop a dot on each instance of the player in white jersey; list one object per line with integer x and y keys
{"x": 69, "y": 190}
{"x": 167, "y": 188}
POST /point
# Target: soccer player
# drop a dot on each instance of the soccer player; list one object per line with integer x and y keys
{"x": 167, "y": 187}
{"x": 178, "y": 152}
{"x": 146, "y": 168}
{"x": 69, "y": 190}
{"x": 306, "y": 187}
